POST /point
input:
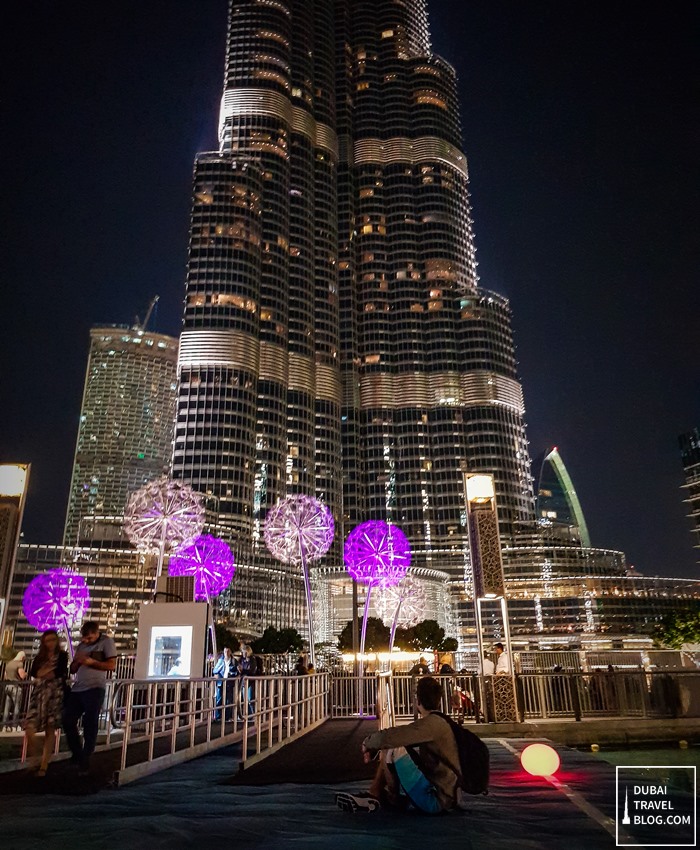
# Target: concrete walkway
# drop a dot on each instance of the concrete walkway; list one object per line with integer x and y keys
{"x": 194, "y": 804}
{"x": 206, "y": 803}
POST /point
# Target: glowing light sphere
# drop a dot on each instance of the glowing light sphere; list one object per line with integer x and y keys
{"x": 209, "y": 560}
{"x": 404, "y": 602}
{"x": 164, "y": 514}
{"x": 56, "y": 599}
{"x": 299, "y": 529}
{"x": 377, "y": 553}
{"x": 540, "y": 760}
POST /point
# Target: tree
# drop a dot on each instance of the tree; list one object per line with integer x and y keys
{"x": 376, "y": 637}
{"x": 225, "y": 637}
{"x": 426, "y": 635}
{"x": 679, "y": 627}
{"x": 274, "y": 642}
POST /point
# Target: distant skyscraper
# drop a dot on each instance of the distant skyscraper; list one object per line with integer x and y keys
{"x": 690, "y": 456}
{"x": 557, "y": 504}
{"x": 332, "y": 302}
{"x": 126, "y": 424}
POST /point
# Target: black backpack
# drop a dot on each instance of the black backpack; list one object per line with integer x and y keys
{"x": 473, "y": 759}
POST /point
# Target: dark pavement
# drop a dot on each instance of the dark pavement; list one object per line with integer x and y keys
{"x": 287, "y": 801}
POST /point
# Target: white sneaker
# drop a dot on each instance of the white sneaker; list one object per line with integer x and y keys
{"x": 361, "y": 802}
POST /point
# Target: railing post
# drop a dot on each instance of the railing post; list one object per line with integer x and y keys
{"x": 128, "y": 711}
{"x": 574, "y": 680}
{"x": 644, "y": 691}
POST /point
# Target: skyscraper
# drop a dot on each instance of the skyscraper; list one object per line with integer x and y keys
{"x": 557, "y": 505}
{"x": 336, "y": 341}
{"x": 126, "y": 425}
{"x": 690, "y": 456}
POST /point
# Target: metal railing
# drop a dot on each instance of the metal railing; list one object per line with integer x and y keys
{"x": 14, "y": 702}
{"x": 634, "y": 693}
{"x": 541, "y": 696}
{"x": 350, "y": 696}
{"x": 167, "y": 721}
{"x": 161, "y": 722}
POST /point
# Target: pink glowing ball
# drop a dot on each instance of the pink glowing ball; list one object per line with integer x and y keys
{"x": 540, "y": 760}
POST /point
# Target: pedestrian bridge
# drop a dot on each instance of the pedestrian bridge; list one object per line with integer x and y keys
{"x": 150, "y": 725}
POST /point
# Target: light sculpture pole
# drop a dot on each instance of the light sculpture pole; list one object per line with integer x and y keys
{"x": 56, "y": 599}
{"x": 163, "y": 515}
{"x": 376, "y": 553}
{"x": 299, "y": 530}
{"x": 407, "y": 602}
{"x": 210, "y": 562}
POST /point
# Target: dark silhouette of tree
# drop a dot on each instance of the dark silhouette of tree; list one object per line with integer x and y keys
{"x": 225, "y": 637}
{"x": 376, "y": 638}
{"x": 280, "y": 642}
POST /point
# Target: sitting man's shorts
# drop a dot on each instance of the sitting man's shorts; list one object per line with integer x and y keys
{"x": 414, "y": 784}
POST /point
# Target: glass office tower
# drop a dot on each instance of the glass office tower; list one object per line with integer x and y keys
{"x": 125, "y": 433}
{"x": 336, "y": 341}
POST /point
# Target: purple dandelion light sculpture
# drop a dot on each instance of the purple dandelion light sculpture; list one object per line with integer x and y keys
{"x": 376, "y": 553}
{"x": 299, "y": 530}
{"x": 56, "y": 599}
{"x": 210, "y": 561}
{"x": 163, "y": 515}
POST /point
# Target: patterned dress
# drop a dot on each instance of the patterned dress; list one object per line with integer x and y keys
{"x": 46, "y": 701}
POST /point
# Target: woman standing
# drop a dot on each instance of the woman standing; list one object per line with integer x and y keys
{"x": 49, "y": 671}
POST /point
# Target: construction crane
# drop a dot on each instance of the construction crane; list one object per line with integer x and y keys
{"x": 140, "y": 326}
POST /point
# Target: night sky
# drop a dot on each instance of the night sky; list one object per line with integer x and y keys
{"x": 581, "y": 128}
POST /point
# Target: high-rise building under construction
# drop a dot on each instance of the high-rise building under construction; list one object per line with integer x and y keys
{"x": 336, "y": 341}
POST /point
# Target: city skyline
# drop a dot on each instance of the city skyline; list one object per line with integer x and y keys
{"x": 595, "y": 433}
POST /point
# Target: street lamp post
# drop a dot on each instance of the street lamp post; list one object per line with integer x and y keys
{"x": 489, "y": 583}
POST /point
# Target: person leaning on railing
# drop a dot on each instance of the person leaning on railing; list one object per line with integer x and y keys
{"x": 14, "y": 672}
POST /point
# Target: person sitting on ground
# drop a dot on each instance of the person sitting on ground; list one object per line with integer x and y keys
{"x": 415, "y": 761}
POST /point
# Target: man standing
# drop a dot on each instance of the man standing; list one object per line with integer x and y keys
{"x": 503, "y": 661}
{"x": 224, "y": 670}
{"x": 488, "y": 668}
{"x": 95, "y": 656}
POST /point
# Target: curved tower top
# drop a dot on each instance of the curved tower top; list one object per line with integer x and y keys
{"x": 557, "y": 500}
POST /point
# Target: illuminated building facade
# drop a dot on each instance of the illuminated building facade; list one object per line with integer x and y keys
{"x": 125, "y": 431}
{"x": 690, "y": 456}
{"x": 120, "y": 580}
{"x": 335, "y": 339}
